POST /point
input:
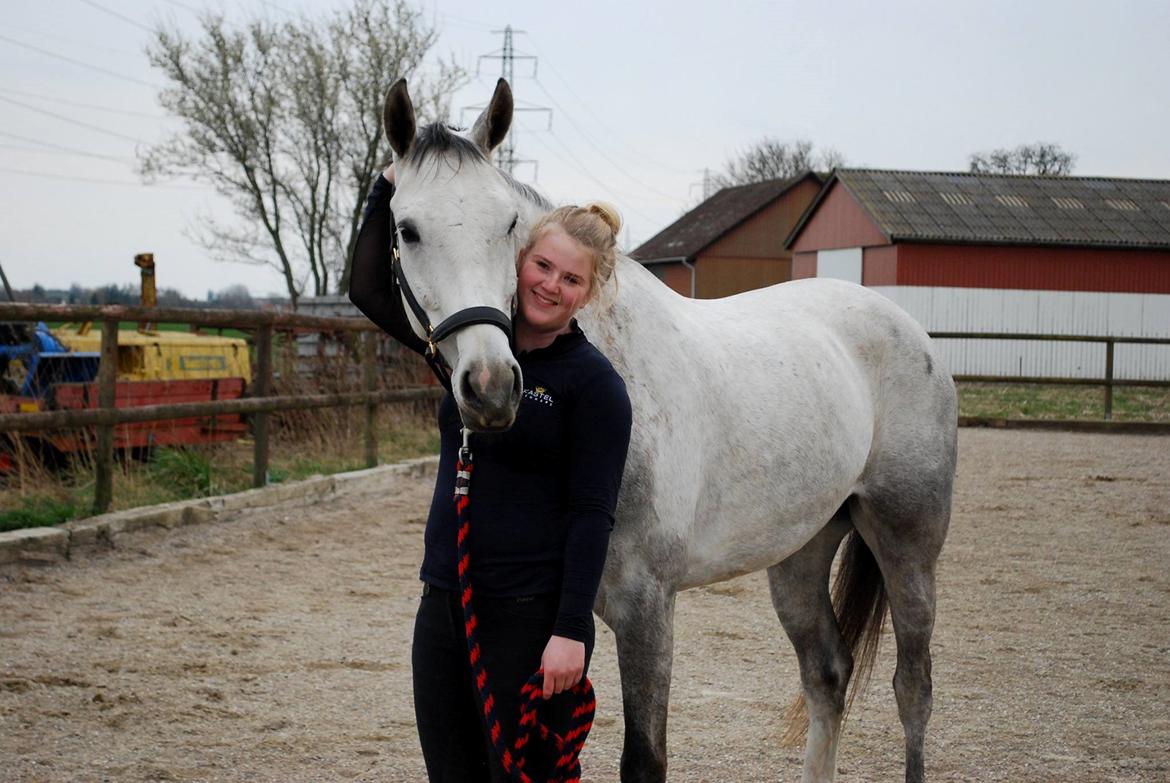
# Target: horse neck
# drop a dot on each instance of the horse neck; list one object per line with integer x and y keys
{"x": 642, "y": 305}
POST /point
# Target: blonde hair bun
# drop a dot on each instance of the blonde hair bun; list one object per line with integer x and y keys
{"x": 608, "y": 213}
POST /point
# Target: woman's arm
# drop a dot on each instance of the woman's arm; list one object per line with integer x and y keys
{"x": 599, "y": 433}
{"x": 372, "y": 287}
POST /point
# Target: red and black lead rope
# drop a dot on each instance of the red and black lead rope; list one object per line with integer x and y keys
{"x": 567, "y": 768}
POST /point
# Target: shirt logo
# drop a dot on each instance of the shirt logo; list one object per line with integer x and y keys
{"x": 539, "y": 394}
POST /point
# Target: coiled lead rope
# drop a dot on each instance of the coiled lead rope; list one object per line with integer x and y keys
{"x": 567, "y": 768}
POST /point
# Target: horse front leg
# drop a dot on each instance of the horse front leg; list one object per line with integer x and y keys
{"x": 643, "y": 624}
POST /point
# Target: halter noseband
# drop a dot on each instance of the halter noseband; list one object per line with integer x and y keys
{"x": 468, "y": 316}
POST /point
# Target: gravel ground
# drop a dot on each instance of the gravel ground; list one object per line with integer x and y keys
{"x": 275, "y": 646}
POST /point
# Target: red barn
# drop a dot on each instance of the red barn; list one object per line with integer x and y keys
{"x": 733, "y": 241}
{"x": 996, "y": 253}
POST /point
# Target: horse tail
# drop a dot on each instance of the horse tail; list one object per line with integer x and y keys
{"x": 860, "y": 603}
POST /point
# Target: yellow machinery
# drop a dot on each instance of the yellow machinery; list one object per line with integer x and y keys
{"x": 167, "y": 356}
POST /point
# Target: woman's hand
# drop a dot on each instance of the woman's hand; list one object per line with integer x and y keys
{"x": 388, "y": 174}
{"x": 563, "y": 663}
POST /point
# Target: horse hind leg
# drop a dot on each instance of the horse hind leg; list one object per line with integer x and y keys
{"x": 826, "y": 640}
{"x": 906, "y": 543}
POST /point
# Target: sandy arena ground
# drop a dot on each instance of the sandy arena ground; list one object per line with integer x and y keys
{"x": 275, "y": 647}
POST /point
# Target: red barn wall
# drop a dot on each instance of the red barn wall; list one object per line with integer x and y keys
{"x": 839, "y": 222}
{"x": 752, "y": 255}
{"x": 1030, "y": 268}
{"x": 804, "y": 265}
{"x": 879, "y": 265}
{"x": 675, "y": 275}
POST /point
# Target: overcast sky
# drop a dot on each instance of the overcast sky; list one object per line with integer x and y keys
{"x": 645, "y": 95}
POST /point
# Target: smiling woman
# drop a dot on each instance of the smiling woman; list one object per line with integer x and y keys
{"x": 569, "y": 258}
{"x": 545, "y": 489}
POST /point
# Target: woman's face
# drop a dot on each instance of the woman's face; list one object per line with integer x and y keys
{"x": 553, "y": 282}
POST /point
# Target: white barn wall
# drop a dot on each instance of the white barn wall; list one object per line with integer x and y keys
{"x": 1042, "y": 312}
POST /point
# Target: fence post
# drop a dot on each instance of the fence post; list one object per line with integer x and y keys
{"x": 103, "y": 493}
{"x": 369, "y": 386}
{"x": 261, "y": 387}
{"x": 1108, "y": 380}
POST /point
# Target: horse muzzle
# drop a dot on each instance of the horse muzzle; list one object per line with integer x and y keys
{"x": 488, "y": 395}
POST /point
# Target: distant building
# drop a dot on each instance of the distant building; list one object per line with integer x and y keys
{"x": 733, "y": 241}
{"x": 994, "y": 253}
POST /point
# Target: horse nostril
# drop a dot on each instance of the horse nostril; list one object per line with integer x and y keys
{"x": 467, "y": 388}
{"x": 517, "y": 383}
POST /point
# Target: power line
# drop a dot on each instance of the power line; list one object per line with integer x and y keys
{"x": 598, "y": 147}
{"x": 73, "y": 42}
{"x": 73, "y": 178}
{"x": 117, "y": 15}
{"x": 190, "y": 8}
{"x": 576, "y": 163}
{"x": 612, "y": 133}
{"x": 79, "y": 104}
{"x": 42, "y": 151}
{"x": 90, "y": 66}
{"x": 62, "y": 148}
{"x": 72, "y": 121}
{"x": 464, "y": 21}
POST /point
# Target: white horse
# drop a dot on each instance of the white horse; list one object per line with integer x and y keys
{"x": 767, "y": 427}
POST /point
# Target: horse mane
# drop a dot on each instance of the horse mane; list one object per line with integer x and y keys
{"x": 437, "y": 140}
{"x": 527, "y": 191}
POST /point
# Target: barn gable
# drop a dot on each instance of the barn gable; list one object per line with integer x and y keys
{"x": 733, "y": 241}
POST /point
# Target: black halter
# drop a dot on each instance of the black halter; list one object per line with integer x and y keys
{"x": 448, "y": 326}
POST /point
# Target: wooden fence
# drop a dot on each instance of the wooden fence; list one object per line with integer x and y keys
{"x": 260, "y": 403}
{"x": 1107, "y": 381}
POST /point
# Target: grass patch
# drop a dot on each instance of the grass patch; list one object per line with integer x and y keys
{"x": 188, "y": 471}
{"x": 331, "y": 442}
{"x": 39, "y": 511}
{"x": 1043, "y": 401}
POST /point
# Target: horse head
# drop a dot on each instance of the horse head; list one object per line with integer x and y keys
{"x": 461, "y": 225}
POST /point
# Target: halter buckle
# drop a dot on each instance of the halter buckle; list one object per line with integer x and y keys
{"x": 465, "y": 450}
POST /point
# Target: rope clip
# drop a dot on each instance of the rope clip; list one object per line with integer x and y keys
{"x": 465, "y": 451}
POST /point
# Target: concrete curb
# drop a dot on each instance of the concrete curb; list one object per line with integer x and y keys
{"x": 40, "y": 545}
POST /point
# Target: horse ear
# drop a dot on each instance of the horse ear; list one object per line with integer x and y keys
{"x": 398, "y": 118}
{"x": 492, "y": 126}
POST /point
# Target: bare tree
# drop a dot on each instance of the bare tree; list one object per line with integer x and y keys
{"x": 771, "y": 158}
{"x": 1038, "y": 158}
{"x": 284, "y": 120}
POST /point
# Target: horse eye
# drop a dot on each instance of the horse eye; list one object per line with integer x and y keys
{"x": 409, "y": 235}
{"x": 512, "y": 227}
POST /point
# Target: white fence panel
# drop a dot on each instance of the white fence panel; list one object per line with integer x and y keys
{"x": 1042, "y": 312}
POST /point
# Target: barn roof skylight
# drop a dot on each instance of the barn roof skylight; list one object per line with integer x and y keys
{"x": 1124, "y": 204}
{"x": 956, "y": 199}
{"x": 899, "y": 196}
{"x": 1012, "y": 201}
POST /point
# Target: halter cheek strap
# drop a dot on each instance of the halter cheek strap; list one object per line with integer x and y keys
{"x": 468, "y": 316}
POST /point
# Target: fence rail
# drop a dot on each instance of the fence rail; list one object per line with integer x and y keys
{"x": 260, "y": 403}
{"x": 1107, "y": 381}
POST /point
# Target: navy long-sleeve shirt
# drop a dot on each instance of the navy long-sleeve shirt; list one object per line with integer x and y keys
{"x": 543, "y": 493}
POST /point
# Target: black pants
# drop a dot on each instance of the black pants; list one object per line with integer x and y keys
{"x": 513, "y": 633}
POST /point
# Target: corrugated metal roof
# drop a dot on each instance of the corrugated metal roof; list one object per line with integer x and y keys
{"x": 919, "y": 206}
{"x": 687, "y": 236}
